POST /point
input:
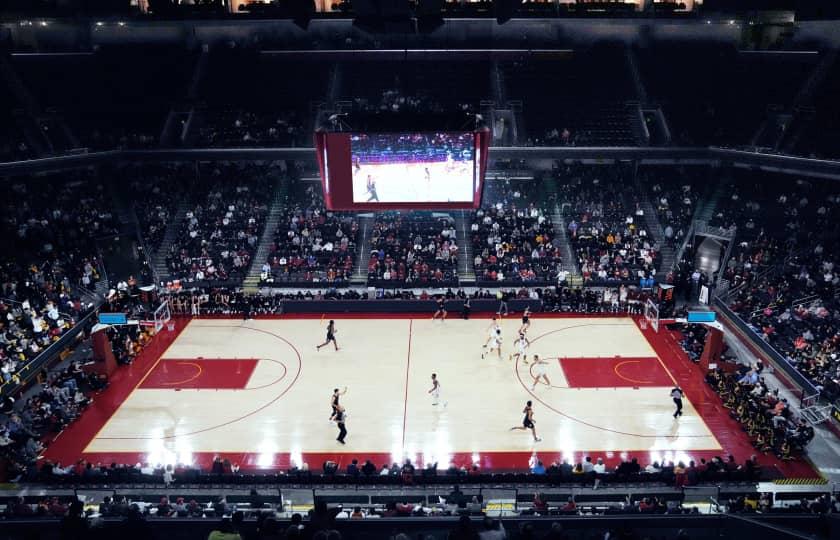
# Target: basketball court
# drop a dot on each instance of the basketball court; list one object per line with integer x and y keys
{"x": 257, "y": 392}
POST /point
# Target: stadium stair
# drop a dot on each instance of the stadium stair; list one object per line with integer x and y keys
{"x": 803, "y": 111}
{"x": 658, "y": 233}
{"x": 561, "y": 232}
{"x": 251, "y": 284}
{"x": 360, "y": 275}
{"x": 466, "y": 271}
{"x": 633, "y": 68}
{"x": 158, "y": 259}
{"x": 816, "y": 414}
{"x": 813, "y": 411}
{"x": 706, "y": 208}
{"x": 45, "y": 130}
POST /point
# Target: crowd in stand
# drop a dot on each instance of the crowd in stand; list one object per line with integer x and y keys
{"x": 311, "y": 244}
{"x": 795, "y": 306}
{"x": 762, "y": 413}
{"x": 219, "y": 233}
{"x": 413, "y": 249}
{"x": 674, "y": 194}
{"x": 513, "y": 237}
{"x": 49, "y": 231}
{"x": 31, "y": 419}
{"x": 606, "y": 225}
{"x": 226, "y": 301}
{"x": 251, "y": 128}
{"x": 155, "y": 192}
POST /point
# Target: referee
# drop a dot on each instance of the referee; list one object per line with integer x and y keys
{"x": 677, "y": 395}
{"x": 339, "y": 420}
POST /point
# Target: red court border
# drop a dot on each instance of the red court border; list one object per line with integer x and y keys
{"x": 69, "y": 445}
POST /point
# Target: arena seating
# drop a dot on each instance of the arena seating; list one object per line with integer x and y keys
{"x": 674, "y": 193}
{"x": 156, "y": 191}
{"x": 248, "y": 128}
{"x": 605, "y": 225}
{"x": 417, "y": 249}
{"x": 567, "y": 102}
{"x": 821, "y": 137}
{"x": 782, "y": 275}
{"x": 513, "y": 236}
{"x": 683, "y": 77}
{"x": 253, "y": 99}
{"x": 419, "y": 86}
{"x": 49, "y": 235}
{"x": 110, "y": 98}
{"x": 13, "y": 146}
{"x": 219, "y": 234}
{"x": 773, "y": 218}
{"x": 763, "y": 414}
{"x": 790, "y": 300}
{"x": 312, "y": 246}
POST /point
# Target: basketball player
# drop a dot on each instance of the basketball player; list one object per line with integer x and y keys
{"x": 495, "y": 343}
{"x": 538, "y": 371}
{"x": 331, "y": 332}
{"x": 677, "y": 395}
{"x": 371, "y": 189}
{"x": 334, "y": 401}
{"x": 491, "y": 331}
{"x": 435, "y": 391}
{"x": 526, "y": 321}
{"x": 522, "y": 345}
{"x": 528, "y": 421}
{"x": 441, "y": 309}
{"x": 428, "y": 175}
{"x": 340, "y": 416}
{"x": 357, "y": 165}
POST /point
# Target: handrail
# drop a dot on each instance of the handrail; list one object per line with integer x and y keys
{"x": 785, "y": 163}
{"x": 805, "y": 386}
{"x": 34, "y": 366}
{"x": 10, "y": 301}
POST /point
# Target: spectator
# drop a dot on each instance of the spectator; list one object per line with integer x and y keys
{"x": 464, "y": 530}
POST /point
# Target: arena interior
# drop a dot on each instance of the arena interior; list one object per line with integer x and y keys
{"x": 438, "y": 270}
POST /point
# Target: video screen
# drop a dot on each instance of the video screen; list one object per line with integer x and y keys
{"x": 413, "y": 167}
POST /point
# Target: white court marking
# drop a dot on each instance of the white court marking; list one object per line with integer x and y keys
{"x": 389, "y": 409}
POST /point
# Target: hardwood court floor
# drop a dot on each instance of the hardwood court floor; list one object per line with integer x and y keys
{"x": 257, "y": 392}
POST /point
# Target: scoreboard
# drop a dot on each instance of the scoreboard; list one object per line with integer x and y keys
{"x": 402, "y": 170}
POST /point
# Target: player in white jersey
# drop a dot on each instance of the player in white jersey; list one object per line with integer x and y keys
{"x": 538, "y": 369}
{"x": 491, "y": 331}
{"x": 495, "y": 343}
{"x": 435, "y": 391}
{"x": 522, "y": 345}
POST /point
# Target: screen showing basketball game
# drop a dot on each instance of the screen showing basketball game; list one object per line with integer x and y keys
{"x": 413, "y": 167}
{"x": 402, "y": 169}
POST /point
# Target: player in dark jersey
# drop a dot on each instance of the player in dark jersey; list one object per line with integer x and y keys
{"x": 441, "y": 309}
{"x": 334, "y": 401}
{"x": 331, "y": 331}
{"x": 528, "y": 421}
{"x": 526, "y": 321}
{"x": 371, "y": 189}
{"x": 340, "y": 416}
